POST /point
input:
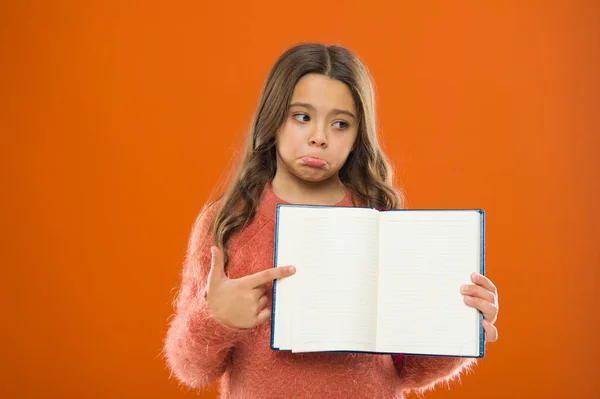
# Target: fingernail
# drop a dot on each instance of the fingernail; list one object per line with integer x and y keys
{"x": 212, "y": 251}
{"x": 464, "y": 288}
{"x": 468, "y": 297}
{"x": 475, "y": 276}
{"x": 486, "y": 323}
{"x": 292, "y": 269}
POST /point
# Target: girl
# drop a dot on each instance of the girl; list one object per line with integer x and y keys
{"x": 312, "y": 141}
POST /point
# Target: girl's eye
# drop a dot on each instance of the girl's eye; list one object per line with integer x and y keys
{"x": 345, "y": 124}
{"x": 302, "y": 115}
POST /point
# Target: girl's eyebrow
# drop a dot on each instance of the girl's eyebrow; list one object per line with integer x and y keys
{"x": 334, "y": 111}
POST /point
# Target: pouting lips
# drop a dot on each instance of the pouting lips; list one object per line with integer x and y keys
{"x": 313, "y": 161}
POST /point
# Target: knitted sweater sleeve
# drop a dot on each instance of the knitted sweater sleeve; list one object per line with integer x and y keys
{"x": 196, "y": 347}
{"x": 421, "y": 373}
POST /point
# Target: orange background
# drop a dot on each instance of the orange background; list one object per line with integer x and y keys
{"x": 118, "y": 119}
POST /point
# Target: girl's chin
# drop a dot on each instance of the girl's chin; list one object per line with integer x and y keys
{"x": 313, "y": 177}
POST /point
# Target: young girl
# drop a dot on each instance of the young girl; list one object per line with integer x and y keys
{"x": 312, "y": 141}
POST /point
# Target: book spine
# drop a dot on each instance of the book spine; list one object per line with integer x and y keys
{"x": 400, "y": 356}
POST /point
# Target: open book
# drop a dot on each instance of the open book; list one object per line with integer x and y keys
{"x": 377, "y": 282}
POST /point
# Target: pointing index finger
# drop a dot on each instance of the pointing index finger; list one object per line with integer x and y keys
{"x": 268, "y": 275}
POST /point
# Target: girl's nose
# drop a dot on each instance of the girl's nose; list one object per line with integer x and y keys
{"x": 319, "y": 139}
{"x": 319, "y": 142}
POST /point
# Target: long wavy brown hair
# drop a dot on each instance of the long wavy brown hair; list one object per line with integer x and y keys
{"x": 367, "y": 171}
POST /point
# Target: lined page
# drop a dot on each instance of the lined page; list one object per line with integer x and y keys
{"x": 330, "y": 302}
{"x": 425, "y": 256}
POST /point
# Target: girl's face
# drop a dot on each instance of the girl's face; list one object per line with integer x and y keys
{"x": 320, "y": 129}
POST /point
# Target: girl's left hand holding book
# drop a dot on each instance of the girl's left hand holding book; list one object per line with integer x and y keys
{"x": 483, "y": 296}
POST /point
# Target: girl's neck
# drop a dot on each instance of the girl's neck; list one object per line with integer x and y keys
{"x": 297, "y": 191}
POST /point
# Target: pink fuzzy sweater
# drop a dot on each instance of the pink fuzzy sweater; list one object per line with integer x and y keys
{"x": 200, "y": 350}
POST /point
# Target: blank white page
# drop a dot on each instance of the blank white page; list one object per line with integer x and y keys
{"x": 330, "y": 303}
{"x": 424, "y": 258}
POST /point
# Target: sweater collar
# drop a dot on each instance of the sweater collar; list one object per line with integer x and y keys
{"x": 269, "y": 201}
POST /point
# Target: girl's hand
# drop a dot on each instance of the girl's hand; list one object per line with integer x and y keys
{"x": 484, "y": 297}
{"x": 239, "y": 303}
